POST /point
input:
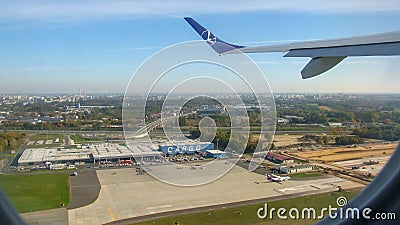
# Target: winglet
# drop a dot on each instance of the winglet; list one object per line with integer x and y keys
{"x": 217, "y": 44}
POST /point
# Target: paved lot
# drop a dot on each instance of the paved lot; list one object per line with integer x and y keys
{"x": 124, "y": 194}
{"x": 84, "y": 188}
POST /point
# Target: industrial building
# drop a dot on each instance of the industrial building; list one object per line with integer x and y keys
{"x": 187, "y": 147}
{"x": 113, "y": 152}
{"x": 89, "y": 153}
{"x": 43, "y": 155}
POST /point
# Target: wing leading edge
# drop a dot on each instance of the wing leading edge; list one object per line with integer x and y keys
{"x": 324, "y": 54}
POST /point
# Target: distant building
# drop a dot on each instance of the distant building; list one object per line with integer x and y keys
{"x": 335, "y": 124}
{"x": 296, "y": 118}
{"x": 209, "y": 111}
{"x": 282, "y": 120}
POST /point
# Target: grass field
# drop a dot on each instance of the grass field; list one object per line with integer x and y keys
{"x": 78, "y": 139}
{"x": 46, "y": 137}
{"x": 3, "y": 156}
{"x": 36, "y": 192}
{"x": 248, "y": 214}
{"x": 302, "y": 128}
{"x": 44, "y": 146}
{"x": 309, "y": 174}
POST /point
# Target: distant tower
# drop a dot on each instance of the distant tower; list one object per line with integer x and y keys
{"x": 81, "y": 97}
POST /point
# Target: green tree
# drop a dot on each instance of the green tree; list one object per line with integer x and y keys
{"x": 325, "y": 139}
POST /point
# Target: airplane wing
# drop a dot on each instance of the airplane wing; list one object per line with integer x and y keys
{"x": 324, "y": 54}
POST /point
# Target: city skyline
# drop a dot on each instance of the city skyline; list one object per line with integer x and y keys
{"x": 63, "y": 47}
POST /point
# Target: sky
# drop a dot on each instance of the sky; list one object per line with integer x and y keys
{"x": 96, "y": 46}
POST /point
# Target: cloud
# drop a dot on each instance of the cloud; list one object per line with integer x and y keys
{"x": 91, "y": 9}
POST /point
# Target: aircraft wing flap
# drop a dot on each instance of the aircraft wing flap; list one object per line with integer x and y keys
{"x": 378, "y": 49}
{"x": 367, "y": 45}
{"x": 268, "y": 48}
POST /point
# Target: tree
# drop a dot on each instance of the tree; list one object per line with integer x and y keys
{"x": 325, "y": 139}
{"x": 272, "y": 147}
{"x": 348, "y": 140}
{"x": 318, "y": 139}
{"x": 388, "y": 121}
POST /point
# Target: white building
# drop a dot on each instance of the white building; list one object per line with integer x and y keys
{"x": 295, "y": 168}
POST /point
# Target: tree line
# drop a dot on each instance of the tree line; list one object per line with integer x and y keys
{"x": 10, "y": 141}
{"x": 389, "y": 133}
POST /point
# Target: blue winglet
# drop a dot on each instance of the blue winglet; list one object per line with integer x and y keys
{"x": 217, "y": 44}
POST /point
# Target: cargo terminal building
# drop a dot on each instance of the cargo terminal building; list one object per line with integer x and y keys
{"x": 186, "y": 148}
{"x": 100, "y": 152}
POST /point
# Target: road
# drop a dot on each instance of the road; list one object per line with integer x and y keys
{"x": 7, "y": 162}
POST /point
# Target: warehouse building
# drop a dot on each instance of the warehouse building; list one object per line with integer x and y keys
{"x": 89, "y": 153}
{"x": 43, "y": 155}
{"x": 114, "y": 152}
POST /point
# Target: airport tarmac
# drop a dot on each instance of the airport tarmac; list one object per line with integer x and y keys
{"x": 124, "y": 194}
{"x": 84, "y": 188}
